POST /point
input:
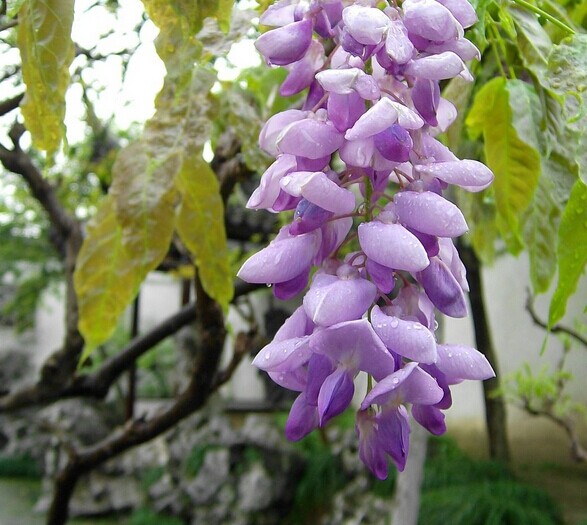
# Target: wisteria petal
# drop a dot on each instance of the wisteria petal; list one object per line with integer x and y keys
{"x": 459, "y": 362}
{"x": 431, "y": 20}
{"x": 430, "y": 417}
{"x": 371, "y": 452}
{"x": 345, "y": 110}
{"x": 462, "y": 10}
{"x": 335, "y": 395}
{"x": 296, "y": 325}
{"x": 327, "y": 293}
{"x": 282, "y": 259}
{"x": 381, "y": 275}
{"x": 436, "y": 67}
{"x": 301, "y": 73}
{"x": 450, "y": 256}
{"x": 309, "y": 138}
{"x": 275, "y": 125}
{"x": 268, "y": 190}
{"x": 294, "y": 380}
{"x": 394, "y": 143}
{"x": 462, "y": 47}
{"x": 286, "y": 290}
{"x": 429, "y": 213}
{"x": 410, "y": 339}
{"x": 426, "y": 96}
{"x": 394, "y": 430}
{"x": 393, "y": 246}
{"x": 397, "y": 43}
{"x": 470, "y": 175}
{"x": 279, "y": 14}
{"x": 302, "y": 419}
{"x": 409, "y": 384}
{"x": 284, "y": 356}
{"x": 358, "y": 152}
{"x": 367, "y": 25}
{"x": 443, "y": 289}
{"x": 286, "y": 44}
{"x": 377, "y": 118}
{"x": 317, "y": 188}
{"x": 357, "y": 346}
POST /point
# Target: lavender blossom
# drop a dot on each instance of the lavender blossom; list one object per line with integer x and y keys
{"x": 372, "y": 109}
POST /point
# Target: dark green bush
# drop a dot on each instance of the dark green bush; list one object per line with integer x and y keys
{"x": 19, "y": 466}
{"x": 149, "y": 517}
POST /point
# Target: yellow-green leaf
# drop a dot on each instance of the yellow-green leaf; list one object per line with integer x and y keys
{"x": 105, "y": 278}
{"x": 515, "y": 163}
{"x": 572, "y": 251}
{"x": 200, "y": 225}
{"x": 44, "y": 40}
{"x": 144, "y": 196}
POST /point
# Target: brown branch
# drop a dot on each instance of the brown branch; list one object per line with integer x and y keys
{"x": 8, "y": 25}
{"x": 557, "y": 328}
{"x": 98, "y": 383}
{"x": 578, "y": 451}
{"x": 495, "y": 409}
{"x": 211, "y": 330}
{"x": 10, "y": 104}
{"x": 19, "y": 162}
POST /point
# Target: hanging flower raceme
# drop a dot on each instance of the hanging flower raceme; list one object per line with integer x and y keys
{"x": 372, "y": 110}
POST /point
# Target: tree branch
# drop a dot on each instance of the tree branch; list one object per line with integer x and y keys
{"x": 98, "y": 383}
{"x": 17, "y": 161}
{"x": 10, "y": 104}
{"x": 210, "y": 326}
{"x": 557, "y": 328}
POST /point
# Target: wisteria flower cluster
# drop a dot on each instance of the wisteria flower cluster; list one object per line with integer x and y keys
{"x": 361, "y": 169}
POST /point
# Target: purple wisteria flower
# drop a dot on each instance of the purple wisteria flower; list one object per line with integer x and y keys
{"x": 359, "y": 169}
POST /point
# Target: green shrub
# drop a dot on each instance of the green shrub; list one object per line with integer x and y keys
{"x": 503, "y": 502}
{"x": 146, "y": 516}
{"x": 459, "y": 490}
{"x": 19, "y": 466}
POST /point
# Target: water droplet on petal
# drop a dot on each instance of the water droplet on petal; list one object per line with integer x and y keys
{"x": 267, "y": 356}
{"x": 395, "y": 380}
{"x": 394, "y": 322}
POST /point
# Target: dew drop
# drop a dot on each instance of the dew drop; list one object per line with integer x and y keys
{"x": 267, "y": 356}
{"x": 395, "y": 380}
{"x": 449, "y": 354}
{"x": 269, "y": 285}
{"x": 418, "y": 327}
{"x": 394, "y": 322}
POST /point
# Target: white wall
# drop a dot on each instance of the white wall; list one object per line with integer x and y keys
{"x": 516, "y": 338}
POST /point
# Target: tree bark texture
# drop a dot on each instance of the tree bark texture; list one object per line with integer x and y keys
{"x": 495, "y": 408}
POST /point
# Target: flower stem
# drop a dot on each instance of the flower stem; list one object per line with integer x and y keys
{"x": 548, "y": 16}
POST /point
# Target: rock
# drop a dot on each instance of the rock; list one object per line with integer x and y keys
{"x": 255, "y": 489}
{"x": 212, "y": 474}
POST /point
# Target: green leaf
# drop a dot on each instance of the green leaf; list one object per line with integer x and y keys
{"x": 459, "y": 92}
{"x": 506, "y": 21}
{"x": 239, "y": 111}
{"x": 572, "y": 251}
{"x": 14, "y": 7}
{"x": 515, "y": 163}
{"x": 540, "y": 232}
{"x": 479, "y": 210}
{"x": 46, "y": 49}
{"x": 534, "y": 44}
{"x": 567, "y": 79}
{"x": 144, "y": 196}
{"x": 477, "y": 33}
{"x": 106, "y": 278}
{"x": 200, "y": 225}
{"x": 189, "y": 14}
